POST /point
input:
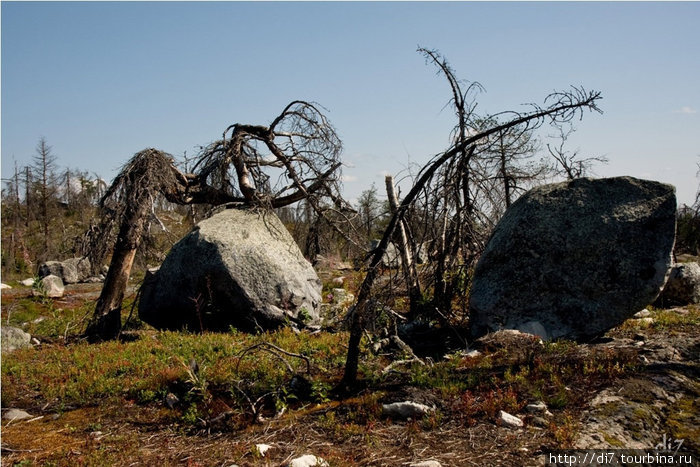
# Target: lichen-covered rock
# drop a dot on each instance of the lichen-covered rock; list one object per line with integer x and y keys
{"x": 308, "y": 460}
{"x": 406, "y": 409}
{"x": 238, "y": 268}
{"x": 71, "y": 271}
{"x": 682, "y": 286}
{"x": 50, "y": 268}
{"x": 574, "y": 259}
{"x": 15, "y": 414}
{"x": 14, "y": 338}
{"x": 50, "y": 286}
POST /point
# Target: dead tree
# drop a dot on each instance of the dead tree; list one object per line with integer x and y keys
{"x": 405, "y": 248}
{"x": 127, "y": 205}
{"x": 568, "y": 163}
{"x": 296, "y": 157}
{"x": 560, "y": 107}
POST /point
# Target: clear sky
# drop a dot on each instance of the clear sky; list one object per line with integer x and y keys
{"x": 103, "y": 80}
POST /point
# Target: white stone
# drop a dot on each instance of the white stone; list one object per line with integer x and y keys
{"x": 537, "y": 407}
{"x": 406, "y": 409}
{"x": 509, "y": 420}
{"x": 308, "y": 460}
{"x": 16, "y": 414}
{"x": 5, "y": 286}
{"x": 339, "y": 280}
{"x": 642, "y": 314}
{"x": 430, "y": 463}
{"x": 262, "y": 448}
{"x": 51, "y": 286}
{"x": 28, "y": 282}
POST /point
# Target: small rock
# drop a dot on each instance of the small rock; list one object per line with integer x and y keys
{"x": 339, "y": 280}
{"x": 473, "y": 354}
{"x": 540, "y": 422}
{"x": 171, "y": 400}
{"x": 35, "y": 341}
{"x": 646, "y": 321}
{"x": 680, "y": 311}
{"x": 537, "y": 407}
{"x": 308, "y": 460}
{"x": 14, "y": 338}
{"x": 51, "y": 286}
{"x": 406, "y": 409}
{"x": 28, "y": 282}
{"x": 39, "y": 320}
{"x": 262, "y": 449}
{"x": 682, "y": 286}
{"x": 5, "y": 286}
{"x": 16, "y": 414}
{"x": 430, "y": 463}
{"x": 509, "y": 420}
{"x": 642, "y": 314}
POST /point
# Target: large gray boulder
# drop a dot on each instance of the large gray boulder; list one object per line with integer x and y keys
{"x": 392, "y": 256}
{"x": 71, "y": 271}
{"x": 238, "y": 268}
{"x": 682, "y": 286}
{"x": 575, "y": 259}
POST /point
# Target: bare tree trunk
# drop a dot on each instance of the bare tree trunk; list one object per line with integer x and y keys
{"x": 407, "y": 263}
{"x": 27, "y": 191}
{"x": 504, "y": 170}
{"x": 106, "y": 322}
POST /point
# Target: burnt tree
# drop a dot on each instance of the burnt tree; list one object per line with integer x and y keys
{"x": 296, "y": 157}
{"x": 452, "y": 178}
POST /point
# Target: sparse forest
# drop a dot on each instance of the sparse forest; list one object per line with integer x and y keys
{"x": 396, "y": 270}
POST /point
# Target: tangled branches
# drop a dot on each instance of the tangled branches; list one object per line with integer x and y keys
{"x": 295, "y": 158}
{"x": 450, "y": 185}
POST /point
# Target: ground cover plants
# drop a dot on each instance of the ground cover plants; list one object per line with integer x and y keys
{"x": 207, "y": 399}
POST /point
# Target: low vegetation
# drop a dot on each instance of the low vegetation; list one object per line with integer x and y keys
{"x": 122, "y": 401}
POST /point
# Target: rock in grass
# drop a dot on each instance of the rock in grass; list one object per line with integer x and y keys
{"x": 308, "y": 460}
{"x": 575, "y": 259}
{"x": 70, "y": 271}
{"x": 28, "y": 282}
{"x": 682, "y": 286}
{"x": 14, "y": 338}
{"x": 15, "y": 414}
{"x": 429, "y": 463}
{"x": 406, "y": 409}
{"x": 5, "y": 286}
{"x": 511, "y": 421}
{"x": 171, "y": 400}
{"x": 50, "y": 286}
{"x": 262, "y": 448}
{"x": 536, "y": 407}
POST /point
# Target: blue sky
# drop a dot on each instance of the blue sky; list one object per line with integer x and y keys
{"x": 103, "y": 80}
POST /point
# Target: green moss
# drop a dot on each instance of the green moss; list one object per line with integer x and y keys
{"x": 684, "y": 421}
{"x": 612, "y": 441}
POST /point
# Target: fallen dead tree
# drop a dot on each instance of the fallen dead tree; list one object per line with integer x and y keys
{"x": 296, "y": 157}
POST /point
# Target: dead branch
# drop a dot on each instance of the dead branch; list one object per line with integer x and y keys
{"x": 563, "y": 107}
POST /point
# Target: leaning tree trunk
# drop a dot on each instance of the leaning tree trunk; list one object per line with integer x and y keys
{"x": 408, "y": 264}
{"x": 107, "y": 322}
